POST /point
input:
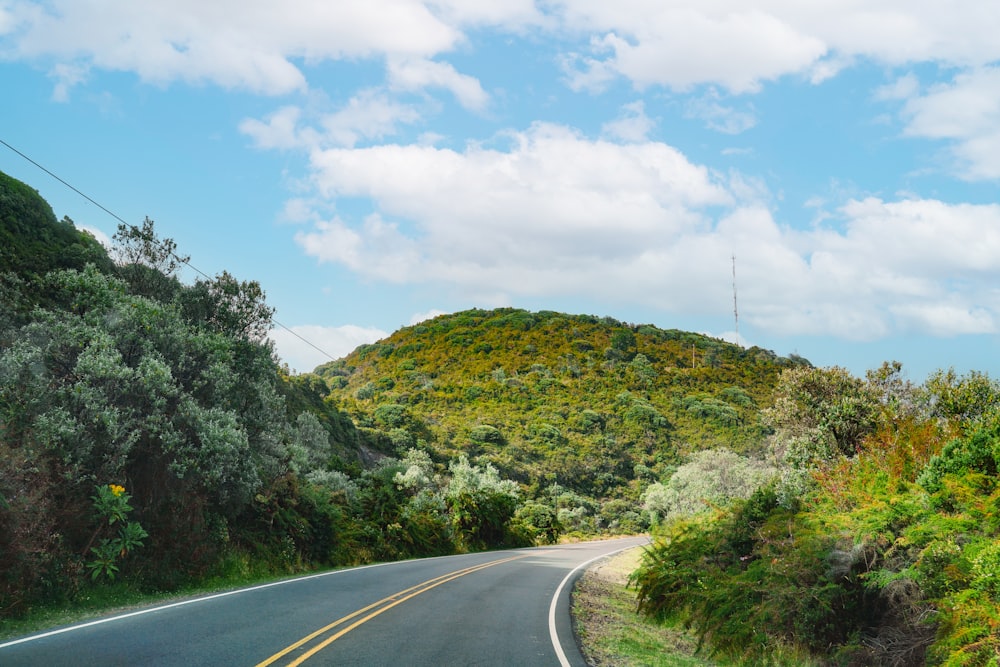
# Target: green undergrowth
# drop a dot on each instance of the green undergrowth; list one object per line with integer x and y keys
{"x": 892, "y": 559}
{"x": 108, "y": 598}
{"x": 612, "y": 632}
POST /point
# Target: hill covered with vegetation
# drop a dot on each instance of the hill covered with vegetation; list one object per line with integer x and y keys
{"x": 590, "y": 404}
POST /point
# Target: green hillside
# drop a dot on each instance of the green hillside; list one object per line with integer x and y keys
{"x": 591, "y": 404}
{"x": 32, "y": 241}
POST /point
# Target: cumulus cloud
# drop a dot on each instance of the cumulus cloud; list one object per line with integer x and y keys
{"x": 739, "y": 46}
{"x": 245, "y": 44}
{"x": 267, "y": 47}
{"x": 370, "y": 115}
{"x": 556, "y": 213}
{"x": 412, "y": 74}
{"x": 903, "y": 88}
{"x": 336, "y": 342}
{"x": 66, "y": 75}
{"x": 633, "y": 125}
{"x": 513, "y": 14}
{"x": 548, "y": 211}
{"x": 279, "y": 130}
{"x": 966, "y": 113}
{"x": 488, "y": 215}
{"x": 718, "y": 116}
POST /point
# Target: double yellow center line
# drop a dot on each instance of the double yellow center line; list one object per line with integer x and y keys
{"x": 370, "y": 612}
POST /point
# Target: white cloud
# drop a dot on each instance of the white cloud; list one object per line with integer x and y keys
{"x": 298, "y": 210}
{"x": 829, "y": 67}
{"x": 6, "y": 21}
{"x": 585, "y": 73}
{"x": 739, "y": 45}
{"x": 378, "y": 249}
{"x": 718, "y": 116}
{"x": 484, "y": 216}
{"x": 946, "y": 320}
{"x": 246, "y": 44}
{"x": 336, "y": 342}
{"x": 512, "y": 14}
{"x": 684, "y": 44}
{"x": 902, "y": 88}
{"x": 558, "y": 214}
{"x": 966, "y": 113}
{"x": 369, "y": 115}
{"x": 262, "y": 46}
{"x": 414, "y": 74}
{"x": 67, "y": 76}
{"x": 633, "y": 125}
{"x": 925, "y": 238}
{"x": 265, "y": 47}
{"x": 279, "y": 130}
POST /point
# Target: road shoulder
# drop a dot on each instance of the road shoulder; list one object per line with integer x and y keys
{"x": 609, "y": 630}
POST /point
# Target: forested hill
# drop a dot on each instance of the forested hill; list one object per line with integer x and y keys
{"x": 588, "y": 403}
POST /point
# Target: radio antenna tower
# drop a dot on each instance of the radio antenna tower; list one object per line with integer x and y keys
{"x": 736, "y": 310}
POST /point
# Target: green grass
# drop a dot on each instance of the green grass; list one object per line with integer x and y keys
{"x": 612, "y": 633}
{"x": 101, "y": 599}
{"x": 90, "y": 603}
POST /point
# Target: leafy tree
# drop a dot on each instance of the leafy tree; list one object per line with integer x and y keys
{"x": 228, "y": 306}
{"x": 540, "y": 520}
{"x": 310, "y": 444}
{"x": 966, "y": 400}
{"x": 819, "y": 413}
{"x": 146, "y": 262}
{"x": 113, "y": 385}
{"x": 711, "y": 479}
{"x": 481, "y": 504}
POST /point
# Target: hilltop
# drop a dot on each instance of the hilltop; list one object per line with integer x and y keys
{"x": 589, "y": 403}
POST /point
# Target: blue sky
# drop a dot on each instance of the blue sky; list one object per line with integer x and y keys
{"x": 372, "y": 164}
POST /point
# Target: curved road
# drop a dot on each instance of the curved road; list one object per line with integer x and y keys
{"x": 496, "y": 608}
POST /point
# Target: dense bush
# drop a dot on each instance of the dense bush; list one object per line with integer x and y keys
{"x": 890, "y": 557}
{"x": 712, "y": 478}
{"x": 147, "y": 432}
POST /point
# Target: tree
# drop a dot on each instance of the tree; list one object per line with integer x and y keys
{"x": 481, "y": 504}
{"x": 140, "y": 245}
{"x": 967, "y": 400}
{"x": 106, "y": 385}
{"x": 148, "y": 263}
{"x": 229, "y": 306}
{"x": 710, "y": 479}
{"x": 819, "y": 413}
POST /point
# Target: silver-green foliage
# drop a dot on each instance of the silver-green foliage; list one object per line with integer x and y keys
{"x": 709, "y": 479}
{"x": 116, "y": 386}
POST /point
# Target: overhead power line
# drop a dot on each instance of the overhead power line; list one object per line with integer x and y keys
{"x": 180, "y": 259}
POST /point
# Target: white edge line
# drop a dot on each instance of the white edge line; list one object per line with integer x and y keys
{"x": 553, "y": 635}
{"x": 150, "y": 610}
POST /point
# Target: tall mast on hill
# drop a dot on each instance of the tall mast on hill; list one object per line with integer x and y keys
{"x": 736, "y": 310}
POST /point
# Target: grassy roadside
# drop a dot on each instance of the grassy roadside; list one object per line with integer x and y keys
{"x": 94, "y": 601}
{"x": 612, "y": 633}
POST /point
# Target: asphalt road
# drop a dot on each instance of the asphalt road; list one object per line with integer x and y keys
{"x": 503, "y": 608}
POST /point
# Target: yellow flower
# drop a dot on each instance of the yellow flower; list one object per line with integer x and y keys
{"x": 116, "y": 490}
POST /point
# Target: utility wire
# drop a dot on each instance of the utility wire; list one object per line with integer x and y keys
{"x": 175, "y": 255}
